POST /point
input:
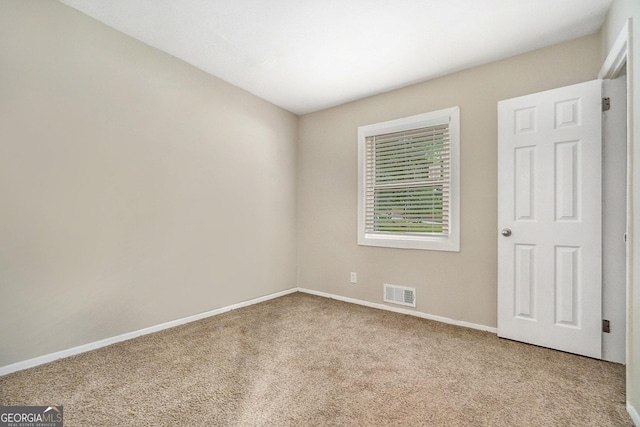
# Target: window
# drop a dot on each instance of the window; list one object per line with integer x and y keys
{"x": 408, "y": 182}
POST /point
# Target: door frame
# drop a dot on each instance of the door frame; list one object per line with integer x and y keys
{"x": 613, "y": 66}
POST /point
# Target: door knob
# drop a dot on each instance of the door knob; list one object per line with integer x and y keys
{"x": 506, "y": 232}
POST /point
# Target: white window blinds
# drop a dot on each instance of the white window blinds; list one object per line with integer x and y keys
{"x": 407, "y": 182}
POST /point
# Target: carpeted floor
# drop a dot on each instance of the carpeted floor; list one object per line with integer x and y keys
{"x": 302, "y": 360}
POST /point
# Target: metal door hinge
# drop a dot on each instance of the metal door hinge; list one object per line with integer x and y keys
{"x": 606, "y": 326}
{"x": 606, "y": 104}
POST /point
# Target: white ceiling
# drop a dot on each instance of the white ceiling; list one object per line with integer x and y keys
{"x": 306, "y": 55}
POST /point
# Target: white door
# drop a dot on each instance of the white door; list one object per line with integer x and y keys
{"x": 550, "y": 219}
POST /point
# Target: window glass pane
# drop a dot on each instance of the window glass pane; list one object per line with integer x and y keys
{"x": 411, "y": 210}
{"x": 409, "y": 179}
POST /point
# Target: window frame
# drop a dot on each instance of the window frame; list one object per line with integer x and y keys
{"x": 449, "y": 242}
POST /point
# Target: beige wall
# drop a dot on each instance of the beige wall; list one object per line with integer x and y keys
{"x": 134, "y": 188}
{"x": 619, "y": 12}
{"x": 461, "y": 286}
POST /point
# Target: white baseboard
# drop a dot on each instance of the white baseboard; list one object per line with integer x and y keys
{"x": 4, "y": 370}
{"x": 633, "y": 414}
{"x": 402, "y": 311}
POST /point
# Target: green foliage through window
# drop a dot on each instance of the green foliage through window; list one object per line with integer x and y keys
{"x": 408, "y": 181}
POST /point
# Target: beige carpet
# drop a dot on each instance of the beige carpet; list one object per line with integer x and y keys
{"x": 302, "y": 360}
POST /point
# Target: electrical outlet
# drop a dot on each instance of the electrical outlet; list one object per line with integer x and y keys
{"x": 354, "y": 277}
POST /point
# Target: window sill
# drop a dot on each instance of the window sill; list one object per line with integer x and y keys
{"x": 434, "y": 243}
